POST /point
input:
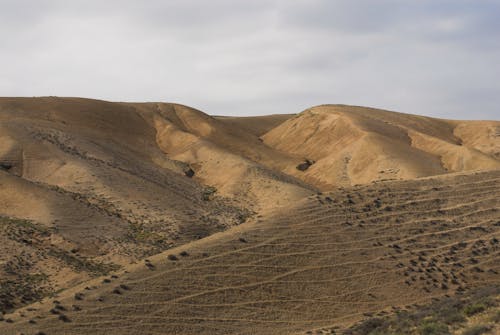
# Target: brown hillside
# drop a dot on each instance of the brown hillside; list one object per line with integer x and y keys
{"x": 353, "y": 145}
{"x": 93, "y": 182}
{"x": 158, "y": 218}
{"x": 322, "y": 264}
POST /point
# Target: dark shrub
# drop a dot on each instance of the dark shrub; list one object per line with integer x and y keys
{"x": 476, "y": 330}
{"x": 433, "y": 328}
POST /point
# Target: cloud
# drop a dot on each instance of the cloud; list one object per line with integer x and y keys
{"x": 258, "y": 57}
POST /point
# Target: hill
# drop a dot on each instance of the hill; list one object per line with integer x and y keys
{"x": 218, "y": 225}
{"x": 321, "y": 264}
{"x": 354, "y": 145}
{"x": 92, "y": 176}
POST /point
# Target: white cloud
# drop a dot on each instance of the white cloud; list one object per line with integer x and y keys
{"x": 258, "y": 57}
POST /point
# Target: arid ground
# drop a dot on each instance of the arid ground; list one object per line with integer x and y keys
{"x": 156, "y": 218}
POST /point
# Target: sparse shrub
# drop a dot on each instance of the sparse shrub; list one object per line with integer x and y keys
{"x": 208, "y": 192}
{"x": 369, "y": 326}
{"x": 451, "y": 316}
{"x": 184, "y": 253}
{"x": 430, "y": 327}
{"x": 64, "y": 318}
{"x": 124, "y": 287}
{"x": 474, "y": 309}
{"x": 60, "y": 307}
{"x": 496, "y": 317}
{"x": 476, "y": 330}
{"x": 82, "y": 264}
{"x": 172, "y": 257}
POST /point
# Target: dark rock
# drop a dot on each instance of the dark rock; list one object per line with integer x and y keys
{"x": 189, "y": 173}
{"x": 305, "y": 165}
{"x": 6, "y": 166}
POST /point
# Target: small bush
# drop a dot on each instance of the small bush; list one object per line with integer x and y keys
{"x": 208, "y": 193}
{"x": 474, "y": 309}
{"x": 433, "y": 328}
{"x": 451, "y": 315}
{"x": 476, "y": 330}
{"x": 172, "y": 257}
{"x": 124, "y": 287}
{"x": 60, "y": 307}
{"x": 369, "y": 326}
{"x": 496, "y": 317}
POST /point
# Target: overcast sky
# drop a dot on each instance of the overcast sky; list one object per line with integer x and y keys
{"x": 250, "y": 57}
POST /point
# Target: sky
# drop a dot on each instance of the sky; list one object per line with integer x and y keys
{"x": 251, "y": 57}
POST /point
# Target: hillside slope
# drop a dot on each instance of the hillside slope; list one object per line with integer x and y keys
{"x": 93, "y": 183}
{"x": 353, "y": 145}
{"x": 229, "y": 158}
{"x": 88, "y": 187}
{"x": 322, "y": 264}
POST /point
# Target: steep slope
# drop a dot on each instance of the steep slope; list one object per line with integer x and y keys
{"x": 91, "y": 180}
{"x": 322, "y": 264}
{"x": 229, "y": 158}
{"x": 352, "y": 145}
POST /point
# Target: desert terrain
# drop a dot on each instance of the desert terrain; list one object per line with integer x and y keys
{"x": 156, "y": 218}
